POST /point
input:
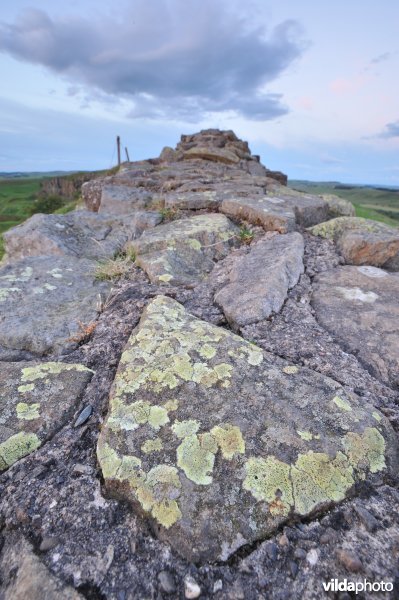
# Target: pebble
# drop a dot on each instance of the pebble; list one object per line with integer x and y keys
{"x": 80, "y": 469}
{"x": 312, "y": 557}
{"x": 48, "y": 543}
{"x": 167, "y": 582}
{"x": 293, "y": 568}
{"x": 217, "y": 586}
{"x": 299, "y": 553}
{"x": 84, "y": 416}
{"x": 368, "y": 520}
{"x": 191, "y": 588}
{"x": 284, "y": 541}
{"x": 349, "y": 560}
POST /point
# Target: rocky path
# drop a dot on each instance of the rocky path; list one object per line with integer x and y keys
{"x": 199, "y": 378}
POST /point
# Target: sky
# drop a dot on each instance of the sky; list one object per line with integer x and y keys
{"x": 312, "y": 86}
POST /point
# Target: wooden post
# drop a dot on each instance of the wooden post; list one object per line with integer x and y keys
{"x": 127, "y": 155}
{"x": 118, "y": 144}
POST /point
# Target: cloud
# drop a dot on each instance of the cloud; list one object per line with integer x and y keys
{"x": 381, "y": 58}
{"x": 172, "y": 58}
{"x": 391, "y": 130}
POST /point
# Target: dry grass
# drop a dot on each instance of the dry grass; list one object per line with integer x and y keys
{"x": 115, "y": 268}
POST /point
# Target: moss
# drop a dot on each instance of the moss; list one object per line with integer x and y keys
{"x": 183, "y": 429}
{"x": 29, "y": 412}
{"x": 195, "y": 460}
{"x": 150, "y": 446}
{"x": 17, "y": 446}
{"x": 317, "y": 479}
{"x": 342, "y": 403}
{"x": 366, "y": 450}
{"x": 229, "y": 439}
{"x": 43, "y": 370}
{"x": 268, "y": 479}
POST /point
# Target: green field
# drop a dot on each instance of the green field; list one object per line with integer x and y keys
{"x": 370, "y": 202}
{"x": 16, "y": 199}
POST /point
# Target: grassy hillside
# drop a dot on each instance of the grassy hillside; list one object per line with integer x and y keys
{"x": 379, "y": 204}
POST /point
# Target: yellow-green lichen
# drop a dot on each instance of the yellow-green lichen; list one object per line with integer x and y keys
{"x": 342, "y": 403}
{"x": 366, "y": 451}
{"x": 207, "y": 351}
{"x": 129, "y": 416}
{"x": 17, "y": 446}
{"x": 376, "y": 416}
{"x": 5, "y": 292}
{"x": 166, "y": 277}
{"x": 150, "y": 446}
{"x": 229, "y": 439}
{"x": 29, "y": 387}
{"x": 158, "y": 416}
{"x": 268, "y": 479}
{"x": 195, "y": 460}
{"x": 158, "y": 494}
{"x": 305, "y": 435}
{"x": 29, "y": 412}
{"x": 317, "y": 479}
{"x": 290, "y": 369}
{"x": 195, "y": 244}
{"x": 43, "y": 370}
{"x": 171, "y": 405}
{"x": 182, "y": 429}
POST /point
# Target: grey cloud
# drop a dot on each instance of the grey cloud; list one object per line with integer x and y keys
{"x": 188, "y": 58}
{"x": 391, "y": 130}
{"x": 381, "y": 58}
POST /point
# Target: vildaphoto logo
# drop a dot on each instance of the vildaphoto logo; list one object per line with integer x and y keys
{"x": 337, "y": 585}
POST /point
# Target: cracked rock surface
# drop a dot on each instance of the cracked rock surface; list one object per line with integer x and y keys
{"x": 228, "y": 431}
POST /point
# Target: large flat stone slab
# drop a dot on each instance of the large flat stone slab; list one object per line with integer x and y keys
{"x": 359, "y": 307}
{"x": 218, "y": 445}
{"x": 80, "y": 233}
{"x": 37, "y": 400}
{"x": 125, "y": 199}
{"x": 42, "y": 300}
{"x": 362, "y": 241}
{"x": 277, "y": 211}
{"x": 183, "y": 252}
{"x": 259, "y": 281}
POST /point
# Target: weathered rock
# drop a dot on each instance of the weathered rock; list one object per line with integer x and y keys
{"x": 272, "y": 213}
{"x": 38, "y": 399}
{"x": 259, "y": 281}
{"x": 213, "y": 154}
{"x": 125, "y": 199}
{"x": 91, "y": 194}
{"x": 193, "y": 200}
{"x": 361, "y": 241}
{"x": 25, "y": 577}
{"x": 338, "y": 207}
{"x": 278, "y": 210}
{"x": 182, "y": 252}
{"x": 79, "y": 233}
{"x": 42, "y": 301}
{"x": 218, "y": 445}
{"x": 359, "y": 307}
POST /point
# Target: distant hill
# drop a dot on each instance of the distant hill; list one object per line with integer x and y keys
{"x": 33, "y": 174}
{"x": 380, "y": 203}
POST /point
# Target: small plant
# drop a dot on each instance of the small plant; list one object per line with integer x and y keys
{"x": 117, "y": 267}
{"x": 84, "y": 334}
{"x": 47, "y": 204}
{"x": 246, "y": 235}
{"x": 168, "y": 214}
